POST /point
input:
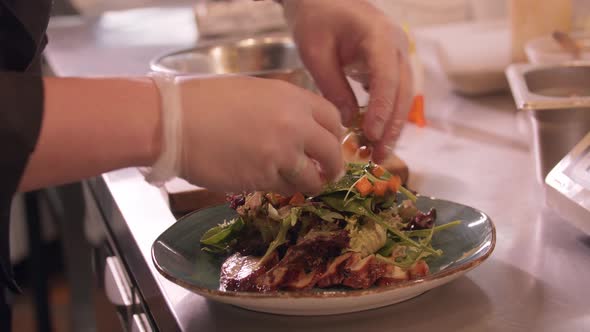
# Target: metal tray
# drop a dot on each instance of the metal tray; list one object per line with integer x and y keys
{"x": 267, "y": 56}
{"x": 568, "y": 186}
{"x": 557, "y": 99}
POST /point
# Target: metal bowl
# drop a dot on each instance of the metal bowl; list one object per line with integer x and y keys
{"x": 273, "y": 57}
{"x": 557, "y": 99}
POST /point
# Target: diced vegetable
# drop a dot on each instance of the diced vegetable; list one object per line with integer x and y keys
{"x": 380, "y": 187}
{"x": 416, "y": 114}
{"x": 277, "y": 200}
{"x": 394, "y": 183}
{"x": 297, "y": 199}
{"x": 364, "y": 186}
{"x": 378, "y": 171}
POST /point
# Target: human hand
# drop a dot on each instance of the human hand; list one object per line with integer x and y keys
{"x": 333, "y": 35}
{"x": 244, "y": 133}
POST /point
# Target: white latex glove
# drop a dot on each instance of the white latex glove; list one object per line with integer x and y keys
{"x": 243, "y": 133}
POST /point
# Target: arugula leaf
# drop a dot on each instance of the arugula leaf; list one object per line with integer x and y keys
{"x": 324, "y": 214}
{"x": 220, "y": 238}
{"x": 426, "y": 232}
{"x": 341, "y": 185}
{"x": 387, "y": 249}
{"x": 359, "y": 206}
{"x": 387, "y": 202}
{"x": 281, "y": 237}
{"x": 408, "y": 194}
{"x": 217, "y": 235}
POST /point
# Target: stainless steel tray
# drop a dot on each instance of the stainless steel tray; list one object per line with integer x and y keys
{"x": 550, "y": 87}
{"x": 557, "y": 99}
{"x": 568, "y": 186}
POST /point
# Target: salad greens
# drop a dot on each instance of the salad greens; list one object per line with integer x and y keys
{"x": 370, "y": 204}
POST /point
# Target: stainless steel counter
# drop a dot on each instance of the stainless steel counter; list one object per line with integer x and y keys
{"x": 475, "y": 151}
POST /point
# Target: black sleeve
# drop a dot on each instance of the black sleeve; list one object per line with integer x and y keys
{"x": 22, "y": 38}
{"x": 21, "y": 110}
{"x": 21, "y": 96}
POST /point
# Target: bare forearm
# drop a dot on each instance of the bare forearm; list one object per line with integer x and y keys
{"x": 91, "y": 126}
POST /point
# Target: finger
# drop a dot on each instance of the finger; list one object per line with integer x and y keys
{"x": 324, "y": 147}
{"x": 282, "y": 186}
{"x": 325, "y": 67}
{"x": 383, "y": 58}
{"x": 382, "y": 91}
{"x": 303, "y": 176}
{"x": 325, "y": 114}
{"x": 394, "y": 127}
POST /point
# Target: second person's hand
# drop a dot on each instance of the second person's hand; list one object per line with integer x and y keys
{"x": 332, "y": 35}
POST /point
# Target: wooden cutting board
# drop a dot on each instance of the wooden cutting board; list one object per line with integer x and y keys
{"x": 184, "y": 197}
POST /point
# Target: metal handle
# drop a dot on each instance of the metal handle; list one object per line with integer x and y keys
{"x": 139, "y": 323}
{"x": 117, "y": 288}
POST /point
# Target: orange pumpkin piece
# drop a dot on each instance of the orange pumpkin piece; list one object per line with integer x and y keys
{"x": 394, "y": 183}
{"x": 364, "y": 186}
{"x": 378, "y": 171}
{"x": 297, "y": 199}
{"x": 380, "y": 188}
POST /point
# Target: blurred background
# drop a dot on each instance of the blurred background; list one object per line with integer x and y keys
{"x": 472, "y": 43}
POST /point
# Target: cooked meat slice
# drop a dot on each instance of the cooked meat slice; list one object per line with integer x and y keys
{"x": 334, "y": 272}
{"x": 301, "y": 267}
{"x": 393, "y": 275}
{"x": 362, "y": 272}
{"x": 300, "y": 280}
{"x": 315, "y": 249}
{"x": 251, "y": 242}
{"x": 273, "y": 278}
{"x": 241, "y": 273}
{"x": 419, "y": 270}
{"x": 306, "y": 261}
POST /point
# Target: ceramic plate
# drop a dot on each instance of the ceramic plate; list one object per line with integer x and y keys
{"x": 177, "y": 255}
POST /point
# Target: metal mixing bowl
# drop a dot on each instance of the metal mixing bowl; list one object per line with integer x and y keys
{"x": 274, "y": 57}
{"x": 557, "y": 99}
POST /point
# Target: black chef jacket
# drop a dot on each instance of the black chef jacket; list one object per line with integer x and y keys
{"x": 22, "y": 38}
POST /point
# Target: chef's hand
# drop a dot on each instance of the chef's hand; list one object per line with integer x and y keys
{"x": 245, "y": 133}
{"x": 332, "y": 35}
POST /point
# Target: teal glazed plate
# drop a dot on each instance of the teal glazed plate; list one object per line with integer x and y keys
{"x": 177, "y": 255}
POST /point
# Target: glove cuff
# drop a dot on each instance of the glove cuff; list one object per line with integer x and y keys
{"x": 168, "y": 164}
